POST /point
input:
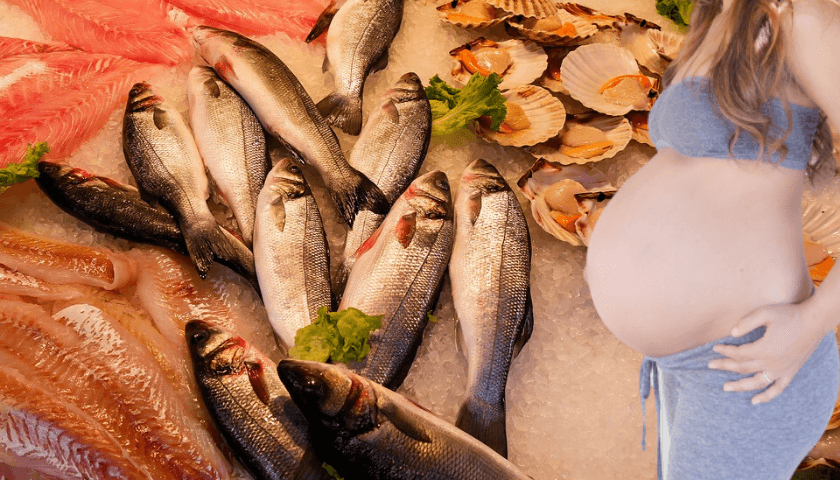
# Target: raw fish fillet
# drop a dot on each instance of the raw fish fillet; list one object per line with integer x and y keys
{"x": 10, "y": 47}
{"x": 61, "y": 96}
{"x": 63, "y": 262}
{"x": 136, "y": 29}
{"x": 255, "y": 17}
{"x": 16, "y": 283}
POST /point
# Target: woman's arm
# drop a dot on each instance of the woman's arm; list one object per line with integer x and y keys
{"x": 812, "y": 45}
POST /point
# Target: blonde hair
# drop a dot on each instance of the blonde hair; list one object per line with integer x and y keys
{"x": 748, "y": 70}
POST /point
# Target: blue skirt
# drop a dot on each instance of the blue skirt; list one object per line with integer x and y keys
{"x": 706, "y": 433}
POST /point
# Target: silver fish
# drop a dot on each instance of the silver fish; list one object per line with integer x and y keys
{"x": 390, "y": 150}
{"x": 398, "y": 274}
{"x": 289, "y": 114}
{"x": 490, "y": 270}
{"x": 232, "y": 143}
{"x": 357, "y": 44}
{"x": 368, "y": 432}
{"x": 165, "y": 162}
{"x": 291, "y": 251}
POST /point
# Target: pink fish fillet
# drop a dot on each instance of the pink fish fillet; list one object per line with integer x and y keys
{"x": 255, "y": 17}
{"x": 61, "y": 96}
{"x": 136, "y": 29}
{"x": 10, "y": 47}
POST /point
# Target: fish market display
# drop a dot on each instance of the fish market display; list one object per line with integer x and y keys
{"x": 165, "y": 162}
{"x": 251, "y": 407}
{"x": 254, "y": 17}
{"x": 389, "y": 152}
{"x": 288, "y": 113}
{"x": 357, "y": 44}
{"x": 140, "y": 29}
{"x": 398, "y": 274}
{"x": 490, "y": 271}
{"x": 57, "y": 94}
{"x": 16, "y": 283}
{"x": 293, "y": 261}
{"x": 231, "y": 142}
{"x": 366, "y": 431}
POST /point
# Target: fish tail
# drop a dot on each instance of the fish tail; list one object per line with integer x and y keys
{"x": 485, "y": 422}
{"x": 206, "y": 241}
{"x": 343, "y": 111}
{"x": 355, "y": 194}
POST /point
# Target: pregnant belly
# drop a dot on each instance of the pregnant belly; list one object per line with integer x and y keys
{"x": 675, "y": 262}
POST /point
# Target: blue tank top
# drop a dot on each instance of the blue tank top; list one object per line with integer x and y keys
{"x": 683, "y": 118}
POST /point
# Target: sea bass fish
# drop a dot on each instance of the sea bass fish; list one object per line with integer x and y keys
{"x": 231, "y": 142}
{"x": 292, "y": 253}
{"x": 357, "y": 44}
{"x": 398, "y": 275}
{"x": 368, "y": 432}
{"x": 289, "y": 114}
{"x": 251, "y": 406}
{"x": 118, "y": 209}
{"x": 490, "y": 271}
{"x": 166, "y": 164}
{"x": 390, "y": 150}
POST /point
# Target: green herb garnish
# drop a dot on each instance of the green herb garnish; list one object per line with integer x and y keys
{"x": 677, "y": 10}
{"x": 340, "y": 336}
{"x": 431, "y": 317}
{"x": 455, "y": 108}
{"x": 26, "y": 169}
{"x": 331, "y": 471}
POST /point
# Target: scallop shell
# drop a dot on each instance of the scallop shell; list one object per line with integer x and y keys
{"x": 600, "y": 20}
{"x": 652, "y": 48}
{"x": 528, "y": 8}
{"x": 583, "y": 30}
{"x": 617, "y": 129}
{"x": 821, "y": 224}
{"x": 546, "y": 114}
{"x": 544, "y": 174}
{"x": 528, "y": 61}
{"x": 639, "y": 124}
{"x": 667, "y": 44}
{"x": 555, "y": 59}
{"x": 589, "y": 67}
{"x": 443, "y": 12}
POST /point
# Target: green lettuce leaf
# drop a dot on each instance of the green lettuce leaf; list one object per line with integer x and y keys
{"x": 677, "y": 10}
{"x": 331, "y": 471}
{"x": 340, "y": 336}
{"x": 455, "y": 108}
{"x": 26, "y": 169}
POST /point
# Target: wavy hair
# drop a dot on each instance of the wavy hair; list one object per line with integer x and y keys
{"x": 747, "y": 70}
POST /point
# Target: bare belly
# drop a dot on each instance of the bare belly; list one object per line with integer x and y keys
{"x": 689, "y": 246}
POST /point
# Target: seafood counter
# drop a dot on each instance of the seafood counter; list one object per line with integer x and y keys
{"x": 146, "y": 331}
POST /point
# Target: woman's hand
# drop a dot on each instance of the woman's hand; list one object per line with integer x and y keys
{"x": 787, "y": 343}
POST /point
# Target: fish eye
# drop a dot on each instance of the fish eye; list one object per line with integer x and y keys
{"x": 199, "y": 337}
{"x": 294, "y": 169}
{"x": 443, "y": 185}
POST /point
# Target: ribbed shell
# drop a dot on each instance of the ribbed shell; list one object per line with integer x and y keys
{"x": 528, "y": 8}
{"x": 528, "y": 62}
{"x": 443, "y": 13}
{"x": 546, "y": 114}
{"x": 583, "y": 30}
{"x": 617, "y": 129}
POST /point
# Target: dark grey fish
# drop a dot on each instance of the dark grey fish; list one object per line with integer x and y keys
{"x": 289, "y": 114}
{"x": 398, "y": 275}
{"x": 357, "y": 44}
{"x": 118, "y": 209}
{"x": 490, "y": 271}
{"x": 165, "y": 162}
{"x": 368, "y": 432}
{"x": 390, "y": 151}
{"x": 250, "y": 405}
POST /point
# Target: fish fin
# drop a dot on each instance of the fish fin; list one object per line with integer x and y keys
{"x": 345, "y": 112}
{"x": 256, "y": 376}
{"x": 199, "y": 239}
{"x": 339, "y": 281}
{"x": 381, "y": 63}
{"x": 459, "y": 337}
{"x": 212, "y": 88}
{"x": 390, "y": 109}
{"x": 239, "y": 259}
{"x": 526, "y": 328}
{"x": 326, "y": 65}
{"x": 161, "y": 118}
{"x": 369, "y": 242}
{"x": 310, "y": 468}
{"x": 356, "y": 194}
{"x": 474, "y": 207}
{"x": 406, "y": 226}
{"x": 485, "y": 422}
{"x": 403, "y": 420}
{"x": 323, "y": 22}
{"x": 278, "y": 211}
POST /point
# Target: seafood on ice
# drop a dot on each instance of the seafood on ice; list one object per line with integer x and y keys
{"x": 472, "y": 13}
{"x": 518, "y": 62}
{"x": 586, "y": 138}
{"x": 533, "y": 116}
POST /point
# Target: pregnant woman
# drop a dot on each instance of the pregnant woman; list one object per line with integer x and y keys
{"x": 698, "y": 261}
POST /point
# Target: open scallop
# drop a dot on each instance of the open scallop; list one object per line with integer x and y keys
{"x": 472, "y": 13}
{"x": 533, "y": 116}
{"x": 639, "y": 124}
{"x": 586, "y": 139}
{"x": 560, "y": 28}
{"x": 821, "y": 235}
{"x": 566, "y": 200}
{"x": 600, "y": 20}
{"x": 527, "y": 8}
{"x": 652, "y": 48}
{"x": 518, "y": 62}
{"x": 606, "y": 78}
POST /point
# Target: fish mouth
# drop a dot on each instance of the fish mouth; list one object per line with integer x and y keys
{"x": 304, "y": 381}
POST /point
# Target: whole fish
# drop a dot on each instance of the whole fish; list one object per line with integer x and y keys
{"x": 368, "y": 432}
{"x": 292, "y": 253}
{"x": 490, "y": 270}
{"x": 165, "y": 162}
{"x": 289, "y": 114}
{"x": 250, "y": 405}
{"x": 390, "y": 150}
{"x": 118, "y": 209}
{"x": 231, "y": 142}
{"x": 398, "y": 275}
{"x": 357, "y": 44}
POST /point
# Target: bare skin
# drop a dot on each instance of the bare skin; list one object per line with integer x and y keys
{"x": 691, "y": 250}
